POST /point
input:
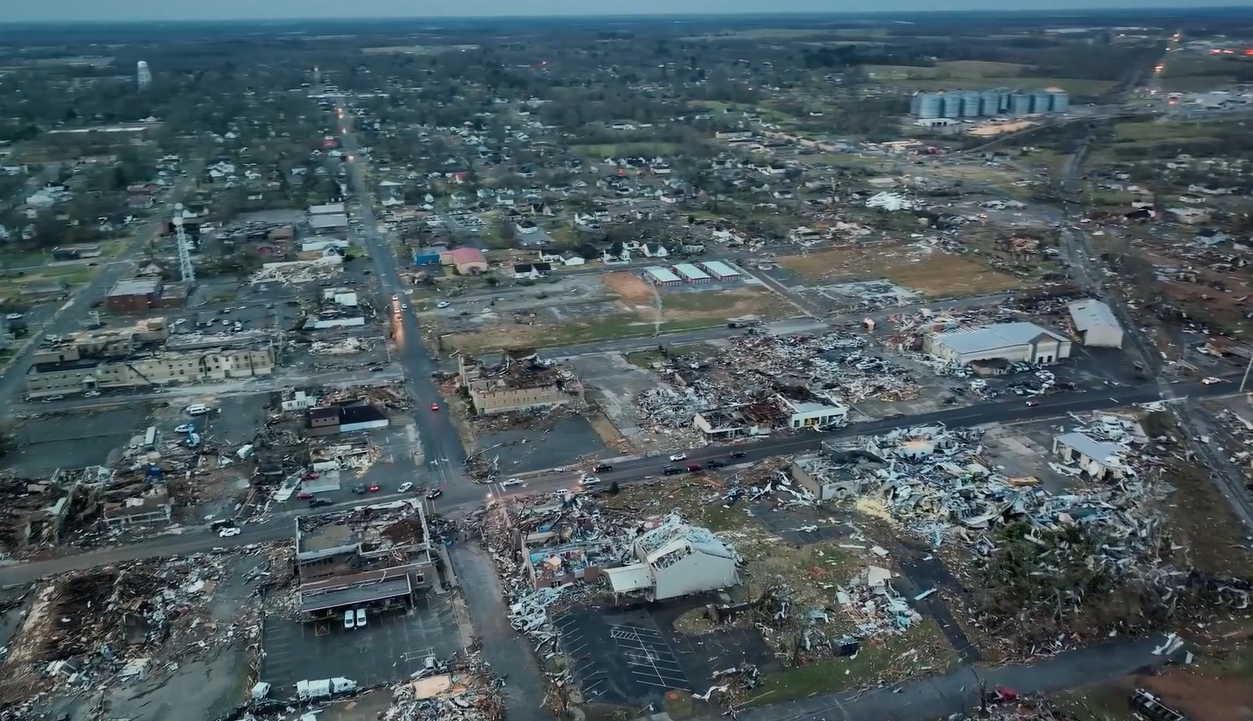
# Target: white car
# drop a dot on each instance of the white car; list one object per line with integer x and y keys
{"x": 198, "y": 409}
{"x": 1211, "y": 381}
{"x": 228, "y": 532}
{"x": 404, "y": 306}
{"x": 404, "y": 487}
{"x": 13, "y": 316}
{"x": 185, "y": 428}
{"x": 91, "y": 394}
{"x": 589, "y": 480}
{"x": 361, "y": 622}
{"x": 350, "y": 620}
{"x": 442, "y": 304}
{"x": 511, "y": 483}
{"x": 678, "y": 456}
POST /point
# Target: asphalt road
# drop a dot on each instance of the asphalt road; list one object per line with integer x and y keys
{"x": 440, "y": 441}
{"x": 465, "y": 496}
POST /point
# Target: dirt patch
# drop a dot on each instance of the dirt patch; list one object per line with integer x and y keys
{"x": 934, "y": 274}
{"x": 608, "y": 433}
{"x": 630, "y": 288}
{"x": 709, "y": 302}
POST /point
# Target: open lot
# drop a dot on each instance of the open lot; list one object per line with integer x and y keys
{"x": 931, "y": 275}
{"x": 713, "y": 301}
{"x": 75, "y": 440}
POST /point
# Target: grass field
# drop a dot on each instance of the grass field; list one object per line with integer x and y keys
{"x": 937, "y": 275}
{"x": 977, "y": 75}
{"x": 617, "y": 327}
{"x": 1196, "y": 74}
{"x": 734, "y": 302}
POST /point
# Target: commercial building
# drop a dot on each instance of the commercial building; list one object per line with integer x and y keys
{"x": 466, "y": 261}
{"x": 955, "y": 104}
{"x": 330, "y": 221}
{"x": 143, "y": 355}
{"x": 153, "y": 508}
{"x": 1096, "y": 324}
{"x": 519, "y": 382}
{"x": 999, "y": 343}
{"x": 675, "y": 560}
{"x": 691, "y": 274}
{"x": 661, "y": 276}
{"x": 810, "y": 413}
{"x": 720, "y": 271}
{"x": 839, "y": 472}
{"x": 136, "y": 295}
{"x": 372, "y": 557}
{"x": 348, "y": 417}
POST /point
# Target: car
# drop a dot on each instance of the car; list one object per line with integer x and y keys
{"x": 1032, "y": 404}
{"x": 395, "y": 299}
{"x": 319, "y": 502}
{"x": 198, "y": 409}
{"x": 358, "y": 489}
{"x": 304, "y": 495}
{"x": 589, "y": 480}
{"x": 442, "y": 304}
{"x": 404, "y": 306}
{"x": 350, "y": 620}
{"x": 405, "y": 487}
{"x": 229, "y": 531}
{"x": 361, "y": 618}
{"x": 603, "y": 467}
{"x": 1211, "y": 381}
{"x": 692, "y": 467}
{"x": 511, "y": 483}
{"x": 737, "y": 454}
{"x": 671, "y": 470}
{"x": 55, "y": 397}
{"x": 91, "y": 394}
{"x": 184, "y": 428}
{"x": 678, "y": 456}
{"x": 434, "y": 406}
{"x": 435, "y": 493}
{"x": 13, "y": 316}
{"x": 309, "y": 476}
{"x": 716, "y": 464}
{"x": 374, "y": 488}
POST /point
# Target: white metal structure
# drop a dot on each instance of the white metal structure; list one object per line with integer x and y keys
{"x": 1096, "y": 323}
{"x": 185, "y": 268}
{"x": 1013, "y": 342}
{"x": 143, "y": 74}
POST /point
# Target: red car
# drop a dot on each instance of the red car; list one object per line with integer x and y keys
{"x": 304, "y": 495}
{"x": 310, "y": 476}
{"x": 373, "y": 488}
{"x": 434, "y": 406}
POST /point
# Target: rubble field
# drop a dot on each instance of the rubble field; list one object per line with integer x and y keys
{"x": 709, "y": 302}
{"x": 928, "y": 272}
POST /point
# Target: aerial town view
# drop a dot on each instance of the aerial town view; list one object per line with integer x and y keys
{"x": 559, "y": 363}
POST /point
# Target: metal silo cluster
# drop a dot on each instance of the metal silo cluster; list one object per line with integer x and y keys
{"x": 987, "y": 103}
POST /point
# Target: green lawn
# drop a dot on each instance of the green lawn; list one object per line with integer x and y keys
{"x": 615, "y": 150}
{"x": 1075, "y": 86}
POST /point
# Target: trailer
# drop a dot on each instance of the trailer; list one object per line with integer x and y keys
{"x": 324, "y": 688}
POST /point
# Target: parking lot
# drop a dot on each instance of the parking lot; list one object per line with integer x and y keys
{"x": 391, "y": 647}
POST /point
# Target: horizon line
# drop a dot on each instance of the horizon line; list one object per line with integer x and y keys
{"x": 1081, "y": 10}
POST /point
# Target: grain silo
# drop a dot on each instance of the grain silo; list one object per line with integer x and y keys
{"x": 1041, "y": 101}
{"x": 970, "y": 104}
{"x": 1061, "y": 100}
{"x": 989, "y": 103}
{"x": 951, "y": 105}
{"x": 1019, "y": 103}
{"x": 925, "y": 105}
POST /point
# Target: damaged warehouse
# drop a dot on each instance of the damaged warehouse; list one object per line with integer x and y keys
{"x": 521, "y": 381}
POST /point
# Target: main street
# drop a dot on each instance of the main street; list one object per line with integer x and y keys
{"x": 440, "y": 441}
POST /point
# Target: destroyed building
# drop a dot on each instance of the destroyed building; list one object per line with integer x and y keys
{"x": 374, "y": 556}
{"x": 521, "y": 381}
{"x": 840, "y": 471}
{"x": 674, "y": 560}
{"x": 144, "y": 355}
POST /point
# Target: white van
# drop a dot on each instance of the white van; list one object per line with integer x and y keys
{"x": 198, "y": 409}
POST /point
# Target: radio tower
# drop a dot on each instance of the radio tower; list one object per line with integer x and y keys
{"x": 184, "y": 247}
{"x": 143, "y": 74}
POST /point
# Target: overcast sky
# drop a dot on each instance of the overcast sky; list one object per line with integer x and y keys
{"x": 123, "y": 10}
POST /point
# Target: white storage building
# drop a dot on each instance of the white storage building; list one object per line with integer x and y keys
{"x": 673, "y": 560}
{"x": 720, "y": 271}
{"x": 1012, "y": 342}
{"x": 661, "y": 276}
{"x": 1096, "y": 323}
{"x": 691, "y": 273}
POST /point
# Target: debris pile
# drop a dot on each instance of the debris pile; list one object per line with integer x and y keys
{"x": 464, "y": 689}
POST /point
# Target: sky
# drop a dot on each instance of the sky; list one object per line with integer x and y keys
{"x": 129, "y": 10}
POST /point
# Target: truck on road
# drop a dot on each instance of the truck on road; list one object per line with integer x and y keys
{"x": 324, "y": 688}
